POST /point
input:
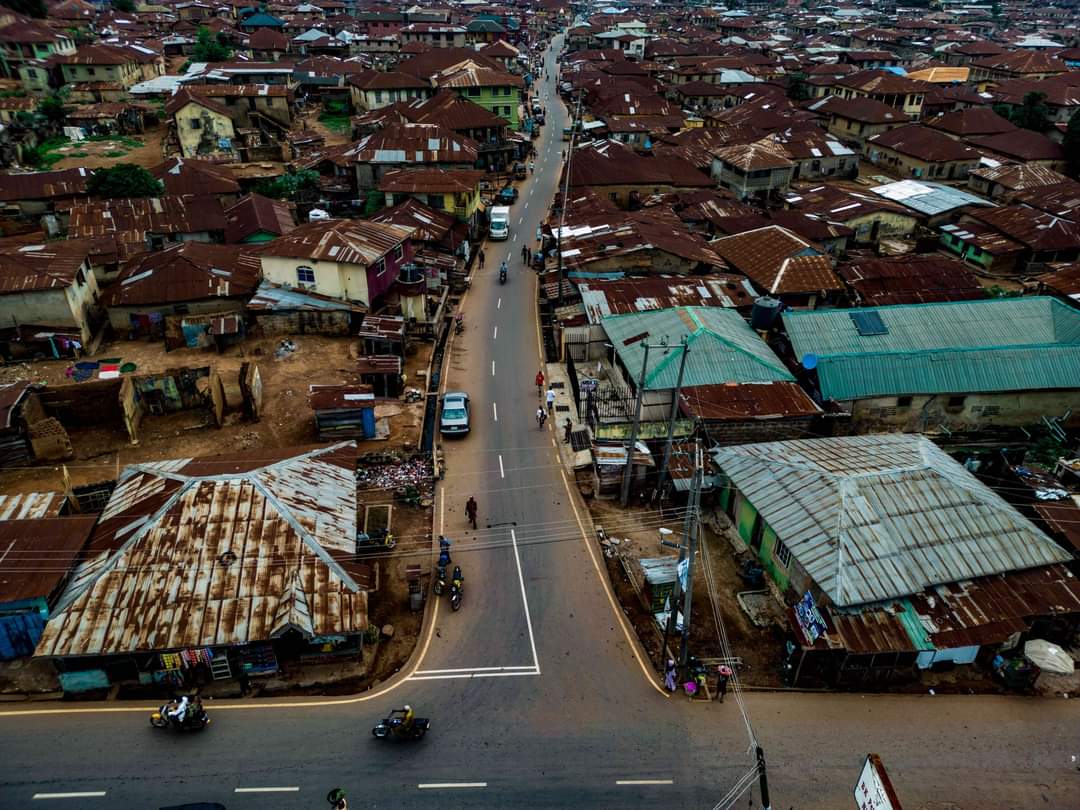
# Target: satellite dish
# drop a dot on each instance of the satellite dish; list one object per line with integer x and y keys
{"x": 809, "y": 361}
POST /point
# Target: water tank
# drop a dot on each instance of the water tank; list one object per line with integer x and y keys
{"x": 318, "y": 215}
{"x": 764, "y": 313}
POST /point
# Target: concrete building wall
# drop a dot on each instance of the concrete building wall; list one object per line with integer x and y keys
{"x": 970, "y": 412}
{"x": 337, "y": 280}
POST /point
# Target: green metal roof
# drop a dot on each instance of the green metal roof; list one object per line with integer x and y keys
{"x": 1011, "y": 344}
{"x": 723, "y": 348}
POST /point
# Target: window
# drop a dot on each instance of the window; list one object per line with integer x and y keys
{"x": 378, "y": 96}
{"x": 955, "y": 403}
{"x": 90, "y": 71}
{"x": 903, "y": 402}
{"x": 782, "y": 553}
{"x": 506, "y": 91}
{"x": 437, "y": 201}
{"x": 195, "y": 123}
{"x": 379, "y": 267}
{"x": 614, "y": 195}
{"x": 399, "y": 251}
{"x": 80, "y": 277}
{"x": 31, "y": 73}
{"x": 305, "y": 275}
{"x": 474, "y": 91}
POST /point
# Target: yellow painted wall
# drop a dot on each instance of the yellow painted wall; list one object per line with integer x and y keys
{"x": 346, "y": 281}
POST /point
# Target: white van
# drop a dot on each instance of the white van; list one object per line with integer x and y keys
{"x": 499, "y": 222}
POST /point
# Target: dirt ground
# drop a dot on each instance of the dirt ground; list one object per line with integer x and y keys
{"x": 286, "y": 422}
{"x": 310, "y": 120}
{"x": 96, "y": 154}
{"x": 716, "y": 581}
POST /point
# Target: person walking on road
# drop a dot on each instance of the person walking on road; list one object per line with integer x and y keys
{"x": 480, "y": 258}
{"x": 568, "y": 428}
{"x": 541, "y": 417}
{"x": 550, "y": 399}
{"x": 540, "y": 383}
{"x": 722, "y": 682}
{"x": 669, "y": 675}
{"x": 470, "y": 511}
{"x": 525, "y": 255}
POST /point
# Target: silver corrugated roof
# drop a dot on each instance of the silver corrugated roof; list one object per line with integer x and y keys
{"x": 879, "y": 517}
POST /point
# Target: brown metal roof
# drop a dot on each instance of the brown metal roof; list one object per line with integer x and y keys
{"x": 923, "y": 143}
{"x": 378, "y": 364}
{"x": 431, "y": 180}
{"x": 779, "y": 261}
{"x": 36, "y": 555}
{"x": 216, "y": 551}
{"x": 186, "y": 176}
{"x": 130, "y": 220}
{"x": 44, "y": 266}
{"x": 989, "y": 609}
{"x": 427, "y": 224}
{"x": 746, "y": 401}
{"x": 414, "y": 143}
{"x": 918, "y": 279}
{"x": 382, "y": 327}
{"x": 255, "y": 214}
{"x": 340, "y": 397}
{"x": 16, "y": 186}
{"x": 347, "y": 241}
{"x": 188, "y": 271}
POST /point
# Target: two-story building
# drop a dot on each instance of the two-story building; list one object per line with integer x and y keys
{"x": 354, "y": 260}
{"x": 434, "y": 35}
{"x": 455, "y": 191}
{"x": 495, "y": 91}
{"x": 24, "y": 44}
{"x": 754, "y": 169}
{"x": 918, "y": 151}
{"x": 374, "y": 89}
{"x": 107, "y": 72}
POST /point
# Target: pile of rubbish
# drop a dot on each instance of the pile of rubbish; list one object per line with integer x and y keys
{"x": 284, "y": 349}
{"x": 414, "y": 472}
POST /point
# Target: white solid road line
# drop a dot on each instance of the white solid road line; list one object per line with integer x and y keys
{"x": 470, "y": 669}
{"x": 469, "y": 675}
{"x": 292, "y": 789}
{"x": 450, "y": 785}
{"x": 644, "y": 781}
{"x": 502, "y": 472}
{"x": 84, "y": 794}
{"x": 525, "y": 601}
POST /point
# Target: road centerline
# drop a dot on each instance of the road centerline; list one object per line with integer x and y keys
{"x": 631, "y": 782}
{"x": 502, "y": 472}
{"x": 76, "y": 794}
{"x": 450, "y": 785}
{"x": 282, "y": 789}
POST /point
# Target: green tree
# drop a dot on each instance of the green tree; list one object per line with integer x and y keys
{"x": 209, "y": 48}
{"x": 31, "y": 8}
{"x": 1071, "y": 144}
{"x": 373, "y": 202}
{"x": 126, "y": 6}
{"x": 289, "y": 186}
{"x": 52, "y": 107}
{"x": 797, "y": 89}
{"x": 124, "y": 180}
{"x": 1033, "y": 114}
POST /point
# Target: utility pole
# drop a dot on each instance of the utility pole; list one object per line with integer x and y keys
{"x": 673, "y": 604}
{"x": 693, "y": 525}
{"x": 634, "y": 428}
{"x": 565, "y": 191}
{"x": 763, "y": 780}
{"x": 671, "y": 420}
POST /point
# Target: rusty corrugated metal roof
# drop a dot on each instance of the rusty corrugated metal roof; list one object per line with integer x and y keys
{"x": 28, "y": 505}
{"x": 217, "y": 551}
{"x": 346, "y": 241}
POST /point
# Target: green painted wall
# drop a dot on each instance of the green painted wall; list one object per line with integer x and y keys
{"x": 772, "y": 565}
{"x": 495, "y": 100}
{"x": 745, "y": 520}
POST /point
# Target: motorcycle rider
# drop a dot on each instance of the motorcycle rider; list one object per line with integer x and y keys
{"x": 178, "y": 714}
{"x": 407, "y": 718}
{"x": 457, "y": 579}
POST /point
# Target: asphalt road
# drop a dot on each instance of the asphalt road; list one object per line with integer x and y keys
{"x": 534, "y": 690}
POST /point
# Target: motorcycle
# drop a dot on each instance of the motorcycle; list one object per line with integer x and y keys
{"x": 440, "y": 581}
{"x": 502, "y": 276}
{"x": 392, "y": 727}
{"x": 455, "y": 595}
{"x": 374, "y": 541}
{"x": 194, "y": 718}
